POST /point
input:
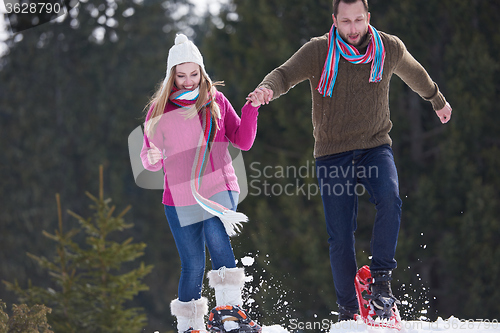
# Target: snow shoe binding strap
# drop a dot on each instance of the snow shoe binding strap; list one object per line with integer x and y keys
{"x": 231, "y": 319}
{"x": 377, "y": 305}
{"x": 381, "y": 297}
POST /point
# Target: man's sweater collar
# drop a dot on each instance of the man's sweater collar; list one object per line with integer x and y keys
{"x": 362, "y": 48}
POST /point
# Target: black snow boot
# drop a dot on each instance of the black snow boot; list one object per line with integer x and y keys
{"x": 346, "y": 314}
{"x": 381, "y": 296}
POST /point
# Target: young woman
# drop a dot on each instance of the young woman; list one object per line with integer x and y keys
{"x": 187, "y": 131}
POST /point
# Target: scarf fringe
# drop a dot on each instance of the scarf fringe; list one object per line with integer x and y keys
{"x": 232, "y": 221}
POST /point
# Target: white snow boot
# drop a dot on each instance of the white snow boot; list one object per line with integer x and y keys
{"x": 190, "y": 315}
{"x": 228, "y": 316}
{"x": 228, "y": 284}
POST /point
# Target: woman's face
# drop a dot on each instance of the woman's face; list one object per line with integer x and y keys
{"x": 187, "y": 76}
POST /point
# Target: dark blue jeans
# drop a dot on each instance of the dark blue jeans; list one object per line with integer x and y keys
{"x": 191, "y": 241}
{"x": 342, "y": 178}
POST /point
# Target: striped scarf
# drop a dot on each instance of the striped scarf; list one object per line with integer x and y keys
{"x": 375, "y": 53}
{"x": 230, "y": 219}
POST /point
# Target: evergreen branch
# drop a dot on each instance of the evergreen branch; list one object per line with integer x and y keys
{"x": 75, "y": 215}
{"x": 125, "y": 211}
{"x": 43, "y": 262}
{"x": 59, "y": 213}
{"x": 50, "y": 236}
{"x": 101, "y": 183}
{"x": 110, "y": 212}
{"x": 93, "y": 198}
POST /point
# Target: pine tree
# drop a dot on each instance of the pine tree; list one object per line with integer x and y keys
{"x": 24, "y": 319}
{"x": 92, "y": 282}
{"x": 4, "y": 318}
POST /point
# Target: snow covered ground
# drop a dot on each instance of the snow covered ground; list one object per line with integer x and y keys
{"x": 450, "y": 325}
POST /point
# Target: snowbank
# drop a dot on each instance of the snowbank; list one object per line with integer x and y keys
{"x": 450, "y": 325}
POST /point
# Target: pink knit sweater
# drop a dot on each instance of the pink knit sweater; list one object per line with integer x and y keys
{"x": 178, "y": 138}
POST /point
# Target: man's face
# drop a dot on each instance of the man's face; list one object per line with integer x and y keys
{"x": 352, "y": 22}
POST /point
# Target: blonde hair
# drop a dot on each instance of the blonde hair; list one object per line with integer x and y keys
{"x": 159, "y": 100}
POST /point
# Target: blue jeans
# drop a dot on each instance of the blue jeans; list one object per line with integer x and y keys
{"x": 191, "y": 241}
{"x": 342, "y": 178}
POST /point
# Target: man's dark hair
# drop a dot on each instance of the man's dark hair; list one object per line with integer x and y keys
{"x": 336, "y": 5}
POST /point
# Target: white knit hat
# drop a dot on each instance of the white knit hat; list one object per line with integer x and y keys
{"x": 183, "y": 51}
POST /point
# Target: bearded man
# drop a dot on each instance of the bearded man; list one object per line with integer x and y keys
{"x": 349, "y": 70}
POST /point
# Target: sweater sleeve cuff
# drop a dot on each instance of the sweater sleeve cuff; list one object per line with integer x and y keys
{"x": 269, "y": 86}
{"x": 155, "y": 167}
{"x": 437, "y": 100}
{"x": 265, "y": 85}
{"x": 249, "y": 110}
{"x": 151, "y": 167}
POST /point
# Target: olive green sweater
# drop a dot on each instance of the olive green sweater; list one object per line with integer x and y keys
{"x": 357, "y": 115}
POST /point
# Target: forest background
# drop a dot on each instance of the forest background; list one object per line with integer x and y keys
{"x": 71, "y": 92}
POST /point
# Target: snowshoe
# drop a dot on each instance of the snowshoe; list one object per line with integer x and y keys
{"x": 231, "y": 319}
{"x": 377, "y": 305}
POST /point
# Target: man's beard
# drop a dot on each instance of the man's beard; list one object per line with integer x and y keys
{"x": 359, "y": 42}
